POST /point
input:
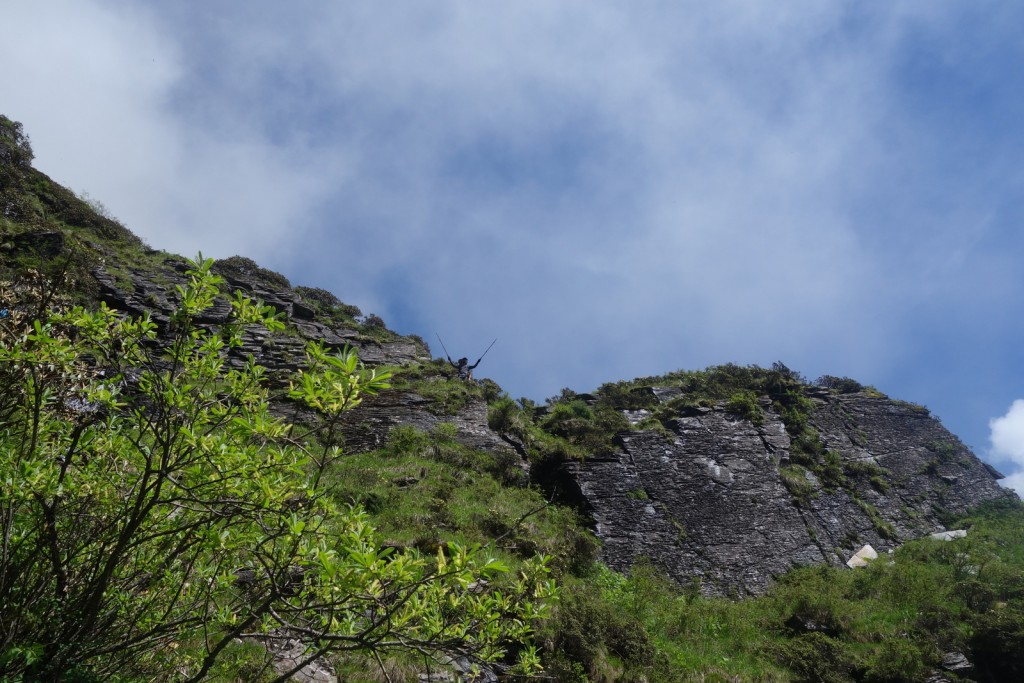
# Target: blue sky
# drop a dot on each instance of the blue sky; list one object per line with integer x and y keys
{"x": 611, "y": 189}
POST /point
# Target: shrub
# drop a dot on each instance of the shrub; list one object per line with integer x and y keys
{"x": 794, "y": 478}
{"x": 593, "y": 430}
{"x": 843, "y": 385}
{"x": 895, "y": 661}
{"x": 794, "y": 409}
{"x": 590, "y": 630}
{"x": 506, "y": 417}
{"x": 328, "y": 304}
{"x": 568, "y": 418}
{"x": 240, "y": 267}
{"x": 817, "y": 658}
{"x": 626, "y": 396}
{"x": 830, "y": 471}
{"x": 150, "y": 498}
{"x": 15, "y": 147}
{"x": 744, "y": 404}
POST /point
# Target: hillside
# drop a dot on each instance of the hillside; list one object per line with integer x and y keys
{"x": 732, "y": 476}
{"x": 722, "y": 480}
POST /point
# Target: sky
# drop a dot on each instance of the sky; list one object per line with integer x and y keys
{"x": 610, "y": 189}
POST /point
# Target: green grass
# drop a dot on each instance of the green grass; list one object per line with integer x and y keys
{"x": 890, "y": 621}
{"x": 437, "y": 382}
{"x": 425, "y": 489}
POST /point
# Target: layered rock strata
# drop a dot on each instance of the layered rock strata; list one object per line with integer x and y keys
{"x": 709, "y": 502}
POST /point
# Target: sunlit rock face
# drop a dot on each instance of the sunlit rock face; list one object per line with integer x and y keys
{"x": 709, "y": 503}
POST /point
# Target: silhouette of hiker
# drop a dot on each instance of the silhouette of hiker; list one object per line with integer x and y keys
{"x": 463, "y": 367}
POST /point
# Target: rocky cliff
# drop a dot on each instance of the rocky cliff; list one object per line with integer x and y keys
{"x": 719, "y": 500}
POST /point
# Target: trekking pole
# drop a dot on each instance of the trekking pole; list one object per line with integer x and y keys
{"x": 485, "y": 352}
{"x": 447, "y": 355}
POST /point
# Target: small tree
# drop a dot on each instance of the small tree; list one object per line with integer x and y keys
{"x": 15, "y": 162}
{"x": 153, "y": 510}
{"x": 15, "y": 147}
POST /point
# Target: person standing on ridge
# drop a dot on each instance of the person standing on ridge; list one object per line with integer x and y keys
{"x": 463, "y": 367}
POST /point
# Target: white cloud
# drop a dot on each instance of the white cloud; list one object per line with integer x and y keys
{"x": 1014, "y": 481}
{"x": 1007, "y": 434}
{"x": 708, "y": 204}
{"x": 649, "y": 186}
{"x": 94, "y": 82}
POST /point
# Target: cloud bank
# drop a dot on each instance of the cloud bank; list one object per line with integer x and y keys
{"x": 1007, "y": 439}
{"x": 611, "y": 190}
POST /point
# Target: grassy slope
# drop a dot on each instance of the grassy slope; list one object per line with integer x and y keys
{"x": 891, "y": 621}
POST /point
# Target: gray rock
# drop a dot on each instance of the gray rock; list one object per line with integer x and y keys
{"x": 862, "y": 557}
{"x": 288, "y": 652}
{"x": 709, "y": 504}
{"x": 956, "y": 662}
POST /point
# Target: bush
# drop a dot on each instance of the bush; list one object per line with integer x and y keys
{"x": 843, "y": 385}
{"x": 831, "y": 472}
{"x": 569, "y": 419}
{"x": 996, "y": 643}
{"x": 813, "y": 599}
{"x": 506, "y": 417}
{"x": 744, "y": 404}
{"x": 328, "y": 304}
{"x": 240, "y": 267}
{"x": 373, "y": 322}
{"x": 896, "y": 661}
{"x": 794, "y": 478}
{"x": 589, "y": 630}
{"x": 593, "y": 430}
{"x": 15, "y": 147}
{"x": 150, "y": 498}
{"x": 626, "y": 396}
{"x": 817, "y": 658}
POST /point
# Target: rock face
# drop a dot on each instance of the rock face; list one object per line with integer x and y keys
{"x": 150, "y": 290}
{"x": 367, "y": 427}
{"x": 709, "y": 502}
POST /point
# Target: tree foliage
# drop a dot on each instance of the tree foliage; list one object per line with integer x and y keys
{"x": 15, "y": 147}
{"x": 15, "y": 161}
{"x": 153, "y": 510}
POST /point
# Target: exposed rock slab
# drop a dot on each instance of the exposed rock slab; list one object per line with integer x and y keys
{"x": 367, "y": 427}
{"x": 709, "y": 504}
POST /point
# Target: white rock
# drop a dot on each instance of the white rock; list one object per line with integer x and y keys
{"x": 862, "y": 557}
